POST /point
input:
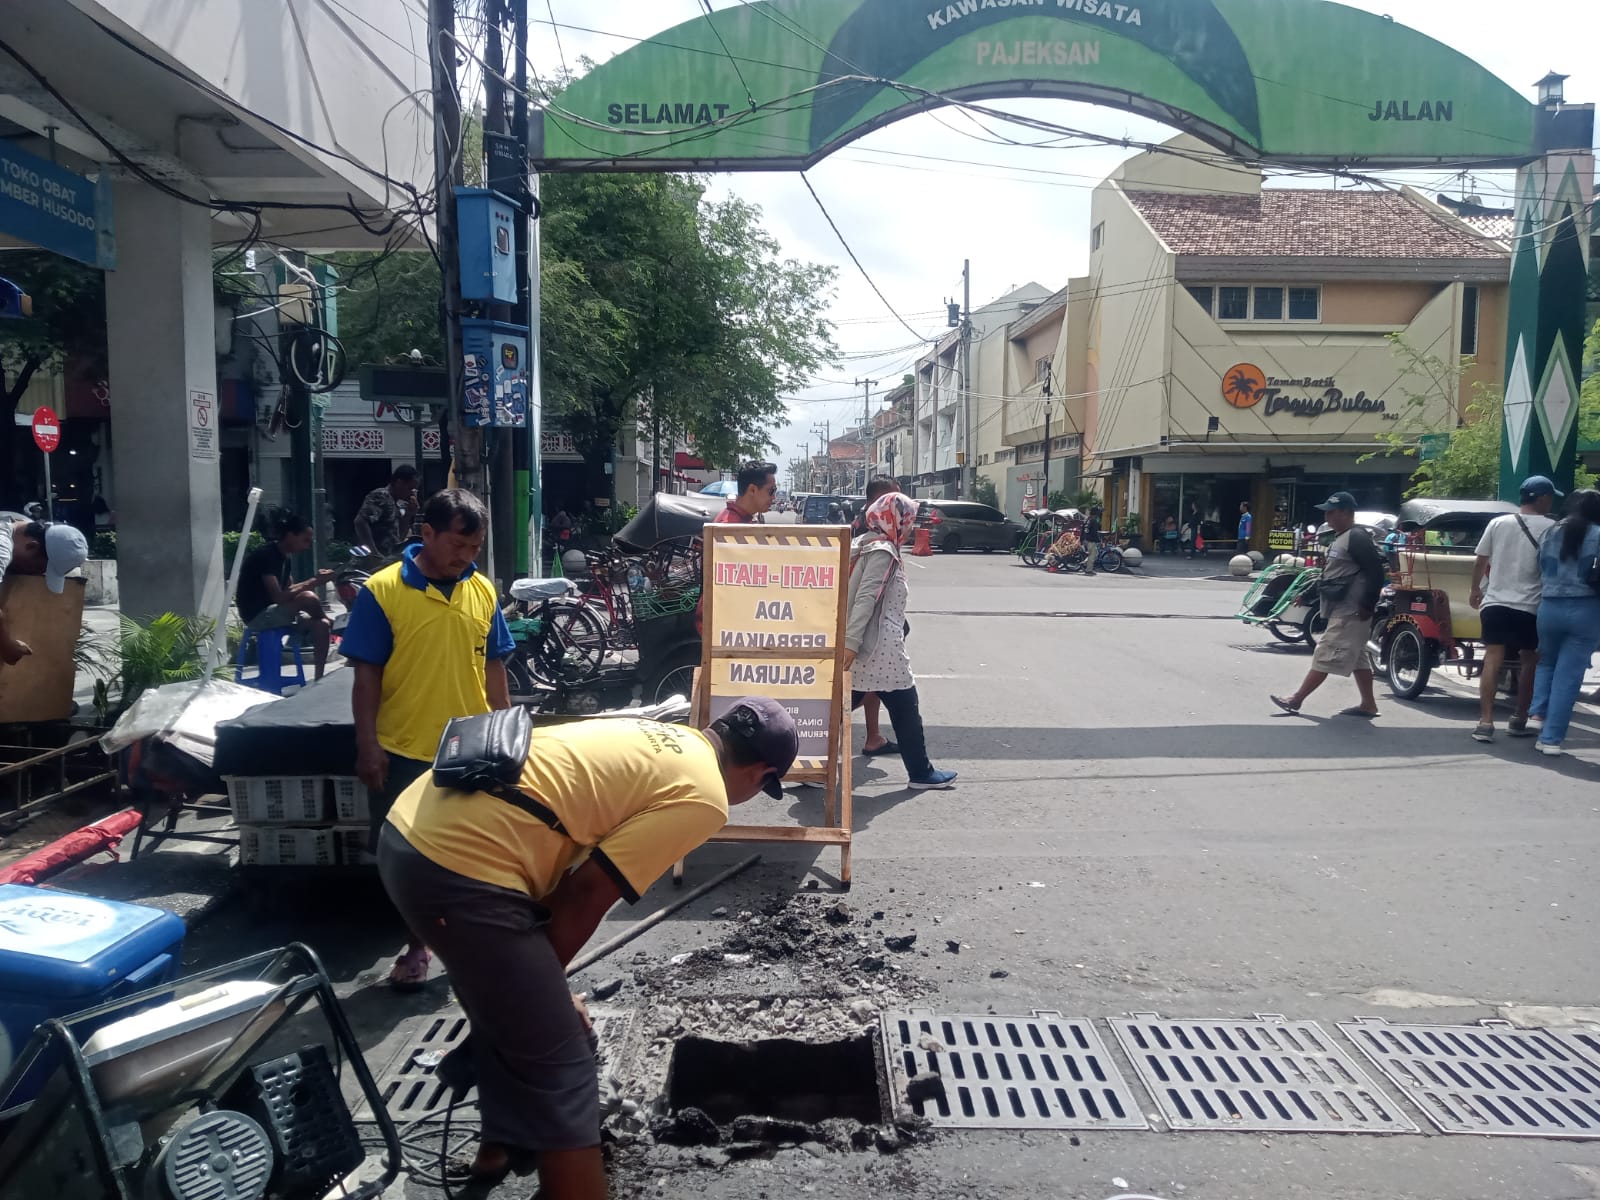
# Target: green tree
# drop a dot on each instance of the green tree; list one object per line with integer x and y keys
{"x": 388, "y": 305}
{"x": 69, "y": 318}
{"x": 662, "y": 306}
{"x": 1467, "y": 467}
{"x": 983, "y": 491}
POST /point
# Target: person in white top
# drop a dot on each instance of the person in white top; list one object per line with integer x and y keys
{"x": 1508, "y": 559}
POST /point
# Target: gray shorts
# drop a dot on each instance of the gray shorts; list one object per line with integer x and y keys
{"x": 538, "y": 1082}
{"x": 1342, "y": 648}
{"x": 276, "y": 616}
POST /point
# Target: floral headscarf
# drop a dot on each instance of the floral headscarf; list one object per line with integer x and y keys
{"x": 893, "y": 516}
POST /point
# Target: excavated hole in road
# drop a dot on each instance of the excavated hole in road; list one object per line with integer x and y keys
{"x": 778, "y": 1078}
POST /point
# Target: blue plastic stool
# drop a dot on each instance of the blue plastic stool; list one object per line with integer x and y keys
{"x": 269, "y": 676}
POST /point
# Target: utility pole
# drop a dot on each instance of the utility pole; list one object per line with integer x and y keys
{"x": 969, "y": 463}
{"x": 448, "y": 173}
{"x": 527, "y": 506}
{"x": 1044, "y": 496}
{"x": 866, "y": 425}
{"x": 824, "y": 435}
{"x": 498, "y": 443}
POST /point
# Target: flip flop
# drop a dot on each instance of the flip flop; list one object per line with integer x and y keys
{"x": 410, "y": 971}
{"x": 1354, "y": 711}
{"x": 886, "y": 748}
{"x": 1293, "y": 709}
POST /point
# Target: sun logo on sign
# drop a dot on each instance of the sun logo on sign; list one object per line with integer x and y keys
{"x": 1243, "y": 384}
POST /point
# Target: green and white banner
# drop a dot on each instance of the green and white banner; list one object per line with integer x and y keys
{"x": 778, "y": 84}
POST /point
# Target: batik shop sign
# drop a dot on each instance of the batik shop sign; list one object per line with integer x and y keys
{"x": 1245, "y": 385}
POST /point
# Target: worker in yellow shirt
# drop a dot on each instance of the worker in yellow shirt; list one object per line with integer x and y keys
{"x": 428, "y": 643}
{"x": 506, "y": 887}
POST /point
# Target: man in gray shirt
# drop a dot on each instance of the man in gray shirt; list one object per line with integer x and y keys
{"x": 1349, "y": 588}
{"x": 29, "y": 547}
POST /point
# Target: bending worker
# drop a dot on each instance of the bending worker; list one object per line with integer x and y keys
{"x": 29, "y": 547}
{"x": 507, "y": 887}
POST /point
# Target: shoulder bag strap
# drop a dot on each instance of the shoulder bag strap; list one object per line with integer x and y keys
{"x": 1527, "y": 533}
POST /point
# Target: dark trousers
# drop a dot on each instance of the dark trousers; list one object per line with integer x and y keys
{"x": 538, "y": 1088}
{"x": 905, "y": 715}
{"x": 403, "y": 772}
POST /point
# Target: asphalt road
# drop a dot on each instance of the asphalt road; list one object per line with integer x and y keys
{"x": 1200, "y": 855}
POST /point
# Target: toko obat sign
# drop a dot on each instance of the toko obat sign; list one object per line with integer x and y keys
{"x": 56, "y": 209}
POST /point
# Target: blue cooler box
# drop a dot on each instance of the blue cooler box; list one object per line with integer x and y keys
{"x": 61, "y": 953}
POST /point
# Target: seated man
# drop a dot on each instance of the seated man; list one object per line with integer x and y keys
{"x": 268, "y": 599}
{"x": 507, "y": 888}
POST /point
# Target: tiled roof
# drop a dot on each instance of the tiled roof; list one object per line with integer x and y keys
{"x": 1502, "y": 228}
{"x": 1297, "y": 222}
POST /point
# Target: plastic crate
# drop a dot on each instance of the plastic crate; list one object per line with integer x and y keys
{"x": 285, "y": 846}
{"x": 353, "y": 850}
{"x": 277, "y": 799}
{"x": 349, "y": 800}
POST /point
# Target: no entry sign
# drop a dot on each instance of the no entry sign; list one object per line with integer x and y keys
{"x": 46, "y": 429}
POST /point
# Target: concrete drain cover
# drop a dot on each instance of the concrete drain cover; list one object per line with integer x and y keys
{"x": 1489, "y": 1078}
{"x": 1267, "y": 1073}
{"x": 410, "y": 1086}
{"x": 1039, "y": 1072}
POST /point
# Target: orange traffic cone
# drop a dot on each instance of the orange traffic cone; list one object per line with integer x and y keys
{"x": 923, "y": 544}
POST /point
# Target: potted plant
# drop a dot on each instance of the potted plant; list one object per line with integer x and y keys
{"x": 1132, "y": 532}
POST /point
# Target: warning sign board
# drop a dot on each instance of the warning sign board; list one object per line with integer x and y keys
{"x": 774, "y": 614}
{"x": 204, "y": 436}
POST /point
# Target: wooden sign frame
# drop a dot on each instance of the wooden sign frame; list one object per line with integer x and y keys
{"x": 833, "y": 772}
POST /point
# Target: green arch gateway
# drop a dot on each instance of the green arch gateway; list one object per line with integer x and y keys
{"x": 780, "y": 84}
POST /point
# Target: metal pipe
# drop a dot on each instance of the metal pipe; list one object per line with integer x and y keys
{"x": 655, "y": 918}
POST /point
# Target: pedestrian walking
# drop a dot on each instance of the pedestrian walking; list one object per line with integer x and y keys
{"x": 1569, "y": 615}
{"x": 1506, "y": 585}
{"x": 1091, "y": 538}
{"x": 758, "y": 488}
{"x": 428, "y": 643}
{"x": 384, "y": 519}
{"x": 872, "y": 707}
{"x": 1349, "y": 588}
{"x": 1246, "y": 524}
{"x": 875, "y": 633}
{"x": 1194, "y": 542}
{"x": 509, "y": 884}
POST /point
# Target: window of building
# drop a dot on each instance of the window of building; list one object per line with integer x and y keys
{"x": 1268, "y": 304}
{"x": 1233, "y": 304}
{"x": 1005, "y": 455}
{"x": 1097, "y": 236}
{"x": 1259, "y": 302}
{"x": 1305, "y": 303}
{"x": 1041, "y": 370}
{"x": 1469, "y": 320}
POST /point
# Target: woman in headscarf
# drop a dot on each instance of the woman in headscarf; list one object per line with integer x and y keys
{"x": 875, "y": 639}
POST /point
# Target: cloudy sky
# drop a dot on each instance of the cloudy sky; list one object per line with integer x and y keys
{"x": 915, "y": 198}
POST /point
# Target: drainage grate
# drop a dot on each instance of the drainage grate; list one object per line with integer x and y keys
{"x": 1584, "y": 1042}
{"x": 1268, "y": 1073}
{"x": 1039, "y": 1072}
{"x": 411, "y": 1090}
{"x": 1489, "y": 1078}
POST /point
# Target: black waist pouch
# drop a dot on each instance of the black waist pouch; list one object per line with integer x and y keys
{"x": 484, "y": 753}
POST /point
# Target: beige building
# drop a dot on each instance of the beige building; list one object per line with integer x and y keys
{"x": 1233, "y": 343}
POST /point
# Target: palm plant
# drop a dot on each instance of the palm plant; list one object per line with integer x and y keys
{"x": 166, "y": 649}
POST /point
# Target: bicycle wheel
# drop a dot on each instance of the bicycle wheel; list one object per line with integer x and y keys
{"x": 1110, "y": 559}
{"x": 573, "y": 646}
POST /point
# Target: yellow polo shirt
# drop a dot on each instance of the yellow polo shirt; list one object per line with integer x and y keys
{"x": 432, "y": 648}
{"x": 634, "y": 795}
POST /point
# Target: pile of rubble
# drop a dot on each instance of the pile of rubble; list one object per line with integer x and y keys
{"x": 852, "y": 966}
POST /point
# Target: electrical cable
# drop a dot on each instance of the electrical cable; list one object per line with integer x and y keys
{"x": 870, "y": 281}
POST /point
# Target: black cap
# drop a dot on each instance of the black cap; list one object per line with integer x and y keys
{"x": 1338, "y": 500}
{"x": 769, "y": 730}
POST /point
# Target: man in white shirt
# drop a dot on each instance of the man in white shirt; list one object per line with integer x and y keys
{"x": 1508, "y": 555}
